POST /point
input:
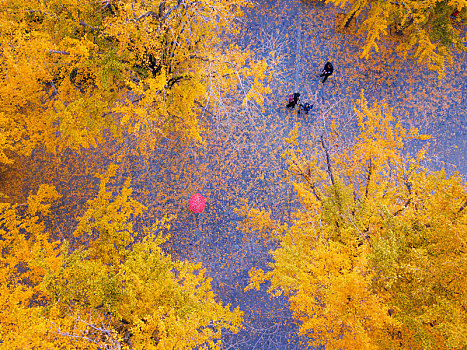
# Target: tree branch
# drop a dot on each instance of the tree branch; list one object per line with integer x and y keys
{"x": 368, "y": 178}
{"x": 153, "y": 14}
{"x": 84, "y": 24}
{"x": 307, "y": 177}
{"x": 328, "y": 160}
{"x": 347, "y": 23}
{"x": 462, "y": 207}
{"x": 59, "y": 52}
{"x": 179, "y": 2}
{"x": 405, "y": 206}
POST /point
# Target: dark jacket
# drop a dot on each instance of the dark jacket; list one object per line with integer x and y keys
{"x": 328, "y": 68}
{"x": 296, "y": 96}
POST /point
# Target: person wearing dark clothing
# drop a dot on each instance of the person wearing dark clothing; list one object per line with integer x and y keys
{"x": 327, "y": 71}
{"x": 293, "y": 100}
{"x": 306, "y": 107}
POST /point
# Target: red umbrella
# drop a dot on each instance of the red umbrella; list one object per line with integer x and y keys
{"x": 197, "y": 203}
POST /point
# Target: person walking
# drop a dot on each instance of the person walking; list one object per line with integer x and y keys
{"x": 327, "y": 71}
{"x": 306, "y": 107}
{"x": 293, "y": 100}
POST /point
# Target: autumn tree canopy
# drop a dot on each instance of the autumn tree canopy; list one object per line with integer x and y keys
{"x": 70, "y": 70}
{"x": 376, "y": 256}
{"x": 116, "y": 289}
{"x": 371, "y": 251}
{"x": 425, "y": 29}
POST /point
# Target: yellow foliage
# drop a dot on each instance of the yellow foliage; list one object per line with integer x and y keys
{"x": 375, "y": 258}
{"x": 259, "y": 222}
{"x": 422, "y": 28}
{"x": 257, "y": 277}
{"x": 70, "y": 71}
{"x": 117, "y": 288}
{"x": 27, "y": 254}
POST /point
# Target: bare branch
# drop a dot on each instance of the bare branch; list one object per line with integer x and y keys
{"x": 174, "y": 8}
{"x": 59, "y": 52}
{"x": 84, "y": 24}
{"x": 462, "y": 207}
{"x": 152, "y": 14}
{"x": 328, "y": 160}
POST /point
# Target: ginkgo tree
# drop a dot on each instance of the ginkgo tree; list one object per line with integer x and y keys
{"x": 375, "y": 257}
{"x": 426, "y": 29}
{"x": 113, "y": 287}
{"x": 72, "y": 70}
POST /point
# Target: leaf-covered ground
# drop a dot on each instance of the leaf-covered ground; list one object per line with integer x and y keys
{"x": 241, "y": 161}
